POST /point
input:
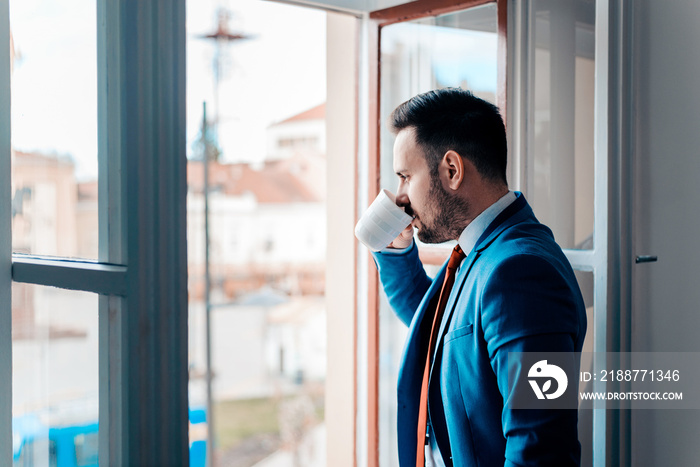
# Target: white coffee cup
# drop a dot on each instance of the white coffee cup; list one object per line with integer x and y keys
{"x": 382, "y": 222}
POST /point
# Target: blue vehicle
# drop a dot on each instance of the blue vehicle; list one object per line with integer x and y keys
{"x": 76, "y": 445}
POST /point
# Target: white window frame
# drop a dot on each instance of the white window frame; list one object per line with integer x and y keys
{"x": 5, "y": 242}
{"x": 141, "y": 274}
{"x": 609, "y": 261}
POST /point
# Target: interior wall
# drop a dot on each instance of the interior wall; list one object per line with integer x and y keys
{"x": 666, "y": 296}
{"x": 341, "y": 117}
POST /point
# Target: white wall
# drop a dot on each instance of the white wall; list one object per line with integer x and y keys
{"x": 666, "y": 306}
{"x": 313, "y": 129}
{"x": 341, "y": 253}
{"x": 241, "y": 227}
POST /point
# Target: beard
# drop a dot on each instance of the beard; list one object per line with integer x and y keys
{"x": 450, "y": 215}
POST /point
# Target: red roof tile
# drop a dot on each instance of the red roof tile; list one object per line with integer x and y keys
{"x": 272, "y": 183}
{"x": 315, "y": 113}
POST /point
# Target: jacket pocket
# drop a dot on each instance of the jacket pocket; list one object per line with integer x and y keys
{"x": 459, "y": 332}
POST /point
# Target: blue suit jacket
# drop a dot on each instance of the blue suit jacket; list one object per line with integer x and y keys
{"x": 515, "y": 292}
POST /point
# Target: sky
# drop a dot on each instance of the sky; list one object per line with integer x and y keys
{"x": 54, "y": 83}
{"x": 278, "y": 72}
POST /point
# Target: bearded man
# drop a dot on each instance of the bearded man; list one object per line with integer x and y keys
{"x": 507, "y": 289}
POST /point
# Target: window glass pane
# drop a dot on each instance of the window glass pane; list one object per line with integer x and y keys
{"x": 454, "y": 50}
{"x": 562, "y": 174}
{"x": 267, "y": 227}
{"x": 55, "y": 376}
{"x": 54, "y": 127}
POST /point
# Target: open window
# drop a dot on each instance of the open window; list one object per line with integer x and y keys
{"x": 133, "y": 283}
{"x": 547, "y": 66}
{"x": 413, "y": 48}
{"x": 94, "y": 265}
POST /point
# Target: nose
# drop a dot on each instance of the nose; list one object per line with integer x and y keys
{"x": 402, "y": 199}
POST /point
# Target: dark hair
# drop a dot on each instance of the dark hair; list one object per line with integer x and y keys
{"x": 454, "y": 119}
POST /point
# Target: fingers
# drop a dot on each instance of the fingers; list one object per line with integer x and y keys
{"x": 404, "y": 239}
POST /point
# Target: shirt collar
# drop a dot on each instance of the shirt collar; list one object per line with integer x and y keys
{"x": 470, "y": 235}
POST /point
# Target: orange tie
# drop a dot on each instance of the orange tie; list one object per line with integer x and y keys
{"x": 452, "y": 265}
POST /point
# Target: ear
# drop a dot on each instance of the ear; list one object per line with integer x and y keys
{"x": 452, "y": 169}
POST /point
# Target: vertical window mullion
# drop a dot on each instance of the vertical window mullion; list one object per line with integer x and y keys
{"x": 143, "y": 337}
{"x": 111, "y": 388}
{"x": 5, "y": 242}
{"x": 112, "y": 235}
{"x": 152, "y": 341}
{"x": 601, "y": 143}
{"x": 112, "y": 232}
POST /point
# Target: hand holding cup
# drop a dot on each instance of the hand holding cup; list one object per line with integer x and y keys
{"x": 384, "y": 223}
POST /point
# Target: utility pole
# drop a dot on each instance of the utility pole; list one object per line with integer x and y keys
{"x": 206, "y": 156}
{"x": 222, "y": 36}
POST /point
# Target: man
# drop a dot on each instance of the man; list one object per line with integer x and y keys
{"x": 514, "y": 292}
